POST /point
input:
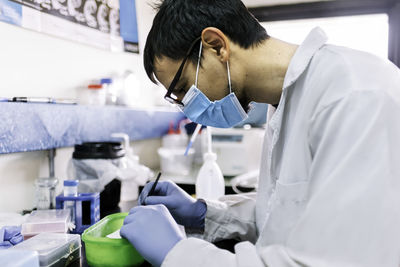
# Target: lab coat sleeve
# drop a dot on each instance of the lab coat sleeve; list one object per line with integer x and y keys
{"x": 232, "y": 217}
{"x": 353, "y": 215}
{"x": 199, "y": 253}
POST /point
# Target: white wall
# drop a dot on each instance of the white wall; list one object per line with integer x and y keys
{"x": 34, "y": 64}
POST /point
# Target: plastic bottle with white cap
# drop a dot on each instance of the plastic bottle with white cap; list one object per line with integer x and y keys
{"x": 111, "y": 90}
{"x": 210, "y": 182}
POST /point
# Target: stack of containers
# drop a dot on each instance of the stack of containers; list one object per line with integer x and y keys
{"x": 46, "y": 221}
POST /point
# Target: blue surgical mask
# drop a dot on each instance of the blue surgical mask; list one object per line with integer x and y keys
{"x": 224, "y": 113}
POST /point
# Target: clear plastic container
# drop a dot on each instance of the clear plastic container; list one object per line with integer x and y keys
{"x": 10, "y": 258}
{"x": 130, "y": 93}
{"x": 173, "y": 160}
{"x": 45, "y": 193}
{"x": 96, "y": 95}
{"x": 54, "y": 249}
{"x": 174, "y": 140}
{"x": 70, "y": 190}
{"x": 46, "y": 221}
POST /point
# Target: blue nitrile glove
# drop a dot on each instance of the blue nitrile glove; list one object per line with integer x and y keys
{"x": 10, "y": 236}
{"x": 186, "y": 210}
{"x": 152, "y": 231}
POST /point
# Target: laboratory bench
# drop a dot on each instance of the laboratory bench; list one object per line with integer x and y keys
{"x": 125, "y": 207}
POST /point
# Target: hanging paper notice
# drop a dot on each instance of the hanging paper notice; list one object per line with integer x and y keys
{"x": 93, "y": 22}
{"x": 129, "y": 29}
{"x": 10, "y": 12}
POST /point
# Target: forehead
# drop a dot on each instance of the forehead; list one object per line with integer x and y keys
{"x": 165, "y": 69}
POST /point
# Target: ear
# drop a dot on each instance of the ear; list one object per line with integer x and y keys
{"x": 215, "y": 39}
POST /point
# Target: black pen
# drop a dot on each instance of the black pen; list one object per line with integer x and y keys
{"x": 41, "y": 100}
{"x": 33, "y": 99}
{"x": 151, "y": 192}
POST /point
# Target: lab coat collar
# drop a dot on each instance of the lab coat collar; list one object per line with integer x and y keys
{"x": 302, "y": 57}
{"x": 304, "y": 53}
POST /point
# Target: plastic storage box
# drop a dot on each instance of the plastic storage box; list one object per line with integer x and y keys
{"x": 46, "y": 221}
{"x": 55, "y": 250}
{"x": 102, "y": 251}
{"x": 11, "y": 258}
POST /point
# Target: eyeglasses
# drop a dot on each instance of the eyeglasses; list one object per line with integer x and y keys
{"x": 169, "y": 96}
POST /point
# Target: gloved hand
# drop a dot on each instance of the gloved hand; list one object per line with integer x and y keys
{"x": 152, "y": 231}
{"x": 10, "y": 236}
{"x": 186, "y": 210}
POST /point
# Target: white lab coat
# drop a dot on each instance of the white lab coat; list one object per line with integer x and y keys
{"x": 329, "y": 189}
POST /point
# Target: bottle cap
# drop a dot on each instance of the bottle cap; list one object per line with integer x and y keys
{"x": 71, "y": 183}
{"x": 171, "y": 129}
{"x": 95, "y": 86}
{"x": 106, "y": 81}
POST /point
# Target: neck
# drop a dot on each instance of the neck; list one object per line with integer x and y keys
{"x": 265, "y": 69}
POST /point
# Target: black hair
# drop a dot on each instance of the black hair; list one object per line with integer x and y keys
{"x": 179, "y": 22}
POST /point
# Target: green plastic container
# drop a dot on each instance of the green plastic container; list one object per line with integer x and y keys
{"x": 102, "y": 251}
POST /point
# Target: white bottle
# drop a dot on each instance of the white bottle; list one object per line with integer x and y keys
{"x": 210, "y": 181}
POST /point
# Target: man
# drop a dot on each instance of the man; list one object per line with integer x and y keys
{"x": 329, "y": 185}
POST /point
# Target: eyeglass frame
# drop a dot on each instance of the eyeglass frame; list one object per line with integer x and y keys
{"x": 175, "y": 80}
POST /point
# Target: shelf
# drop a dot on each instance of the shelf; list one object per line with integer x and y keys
{"x": 30, "y": 127}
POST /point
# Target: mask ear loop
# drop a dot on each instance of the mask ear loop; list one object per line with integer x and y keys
{"x": 229, "y": 77}
{"x": 198, "y": 64}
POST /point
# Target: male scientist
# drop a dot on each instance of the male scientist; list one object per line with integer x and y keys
{"x": 329, "y": 182}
